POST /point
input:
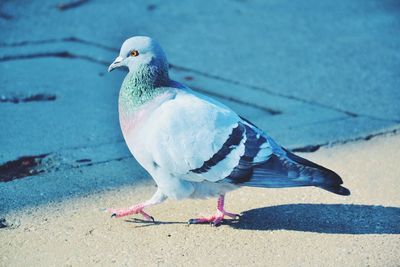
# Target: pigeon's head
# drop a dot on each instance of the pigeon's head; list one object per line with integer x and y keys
{"x": 140, "y": 53}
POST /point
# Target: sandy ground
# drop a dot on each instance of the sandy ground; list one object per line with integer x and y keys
{"x": 285, "y": 227}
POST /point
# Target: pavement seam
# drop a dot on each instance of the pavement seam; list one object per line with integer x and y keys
{"x": 313, "y": 148}
{"x": 62, "y": 40}
{"x": 61, "y": 54}
{"x": 270, "y": 111}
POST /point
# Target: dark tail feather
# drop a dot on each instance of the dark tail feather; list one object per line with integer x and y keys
{"x": 339, "y": 190}
{"x": 288, "y": 170}
{"x": 331, "y": 180}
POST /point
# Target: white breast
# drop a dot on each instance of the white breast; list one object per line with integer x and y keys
{"x": 132, "y": 124}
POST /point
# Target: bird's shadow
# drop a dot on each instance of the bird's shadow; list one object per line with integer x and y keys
{"x": 144, "y": 223}
{"x": 322, "y": 218}
{"x": 318, "y": 218}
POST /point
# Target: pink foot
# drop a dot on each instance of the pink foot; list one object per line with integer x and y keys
{"x": 129, "y": 211}
{"x": 215, "y": 219}
{"x": 218, "y": 217}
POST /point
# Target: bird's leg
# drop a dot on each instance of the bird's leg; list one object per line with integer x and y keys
{"x": 157, "y": 198}
{"x": 217, "y": 218}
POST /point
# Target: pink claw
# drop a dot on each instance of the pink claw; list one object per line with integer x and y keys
{"x": 218, "y": 217}
{"x": 129, "y": 211}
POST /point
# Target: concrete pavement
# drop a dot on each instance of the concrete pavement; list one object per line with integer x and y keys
{"x": 309, "y": 73}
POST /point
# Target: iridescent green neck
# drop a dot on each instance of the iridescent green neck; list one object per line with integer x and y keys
{"x": 141, "y": 86}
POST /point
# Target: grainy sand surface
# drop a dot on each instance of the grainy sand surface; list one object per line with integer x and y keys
{"x": 285, "y": 227}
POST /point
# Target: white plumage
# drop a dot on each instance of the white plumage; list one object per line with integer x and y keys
{"x": 179, "y": 135}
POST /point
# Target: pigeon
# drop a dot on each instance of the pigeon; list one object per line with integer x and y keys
{"x": 194, "y": 146}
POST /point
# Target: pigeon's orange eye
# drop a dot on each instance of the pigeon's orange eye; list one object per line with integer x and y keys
{"x": 134, "y": 53}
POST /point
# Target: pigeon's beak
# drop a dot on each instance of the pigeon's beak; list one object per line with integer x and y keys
{"x": 115, "y": 64}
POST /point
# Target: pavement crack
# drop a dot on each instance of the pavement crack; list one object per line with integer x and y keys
{"x": 265, "y": 109}
{"x": 62, "y": 54}
{"x": 315, "y": 147}
{"x": 71, "y": 39}
{"x": 5, "y": 16}
{"x": 18, "y": 98}
{"x": 308, "y": 148}
{"x": 72, "y": 4}
{"x": 83, "y": 160}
